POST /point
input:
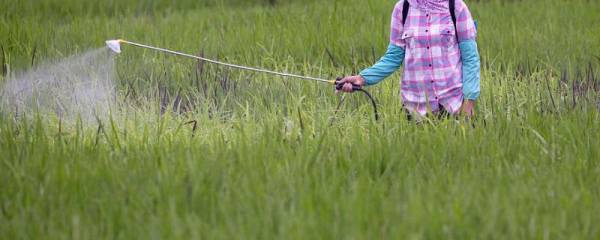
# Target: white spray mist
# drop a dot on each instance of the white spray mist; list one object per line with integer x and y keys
{"x": 79, "y": 86}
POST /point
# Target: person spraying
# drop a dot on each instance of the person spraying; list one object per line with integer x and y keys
{"x": 436, "y": 42}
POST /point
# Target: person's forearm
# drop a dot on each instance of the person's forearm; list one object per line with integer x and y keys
{"x": 388, "y": 64}
{"x": 471, "y": 69}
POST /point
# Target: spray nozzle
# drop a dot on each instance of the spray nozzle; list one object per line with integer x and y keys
{"x": 114, "y": 45}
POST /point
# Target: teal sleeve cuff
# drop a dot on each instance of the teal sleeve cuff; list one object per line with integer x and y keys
{"x": 471, "y": 68}
{"x": 386, "y": 66}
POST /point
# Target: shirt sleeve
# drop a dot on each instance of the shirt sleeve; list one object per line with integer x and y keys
{"x": 386, "y": 66}
{"x": 471, "y": 64}
{"x": 470, "y": 69}
{"x": 465, "y": 25}
{"x": 397, "y": 28}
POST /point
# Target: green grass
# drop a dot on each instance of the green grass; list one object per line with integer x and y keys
{"x": 265, "y": 162}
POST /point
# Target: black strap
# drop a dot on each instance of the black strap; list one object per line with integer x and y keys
{"x": 452, "y": 13}
{"x": 453, "y": 16}
{"x": 405, "y": 11}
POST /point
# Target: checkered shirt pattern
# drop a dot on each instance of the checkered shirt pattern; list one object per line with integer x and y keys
{"x": 432, "y": 64}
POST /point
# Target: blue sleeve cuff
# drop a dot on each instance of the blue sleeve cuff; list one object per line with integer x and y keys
{"x": 386, "y": 66}
{"x": 471, "y": 68}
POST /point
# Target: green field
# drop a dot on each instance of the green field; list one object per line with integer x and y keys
{"x": 271, "y": 158}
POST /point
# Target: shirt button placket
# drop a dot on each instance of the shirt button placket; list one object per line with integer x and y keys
{"x": 428, "y": 41}
{"x": 428, "y": 17}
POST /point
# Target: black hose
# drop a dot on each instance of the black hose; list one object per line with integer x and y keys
{"x": 373, "y": 103}
{"x": 339, "y": 85}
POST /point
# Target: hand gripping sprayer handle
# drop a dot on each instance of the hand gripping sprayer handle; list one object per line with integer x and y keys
{"x": 339, "y": 85}
{"x": 357, "y": 88}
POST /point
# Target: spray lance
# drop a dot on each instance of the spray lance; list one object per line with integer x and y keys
{"x": 115, "y": 46}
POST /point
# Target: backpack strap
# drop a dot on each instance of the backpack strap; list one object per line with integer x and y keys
{"x": 405, "y": 11}
{"x": 453, "y": 15}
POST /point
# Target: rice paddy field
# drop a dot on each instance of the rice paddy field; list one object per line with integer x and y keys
{"x": 196, "y": 151}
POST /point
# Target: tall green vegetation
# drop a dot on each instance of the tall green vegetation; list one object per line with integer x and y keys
{"x": 200, "y": 151}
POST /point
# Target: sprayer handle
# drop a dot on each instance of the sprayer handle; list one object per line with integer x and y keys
{"x": 339, "y": 85}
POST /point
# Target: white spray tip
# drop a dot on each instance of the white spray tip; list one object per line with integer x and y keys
{"x": 114, "y": 45}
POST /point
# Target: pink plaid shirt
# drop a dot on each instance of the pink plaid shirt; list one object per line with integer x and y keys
{"x": 432, "y": 65}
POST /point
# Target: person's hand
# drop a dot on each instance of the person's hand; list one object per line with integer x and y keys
{"x": 468, "y": 108}
{"x": 350, "y": 81}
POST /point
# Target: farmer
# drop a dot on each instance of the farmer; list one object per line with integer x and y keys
{"x": 436, "y": 42}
